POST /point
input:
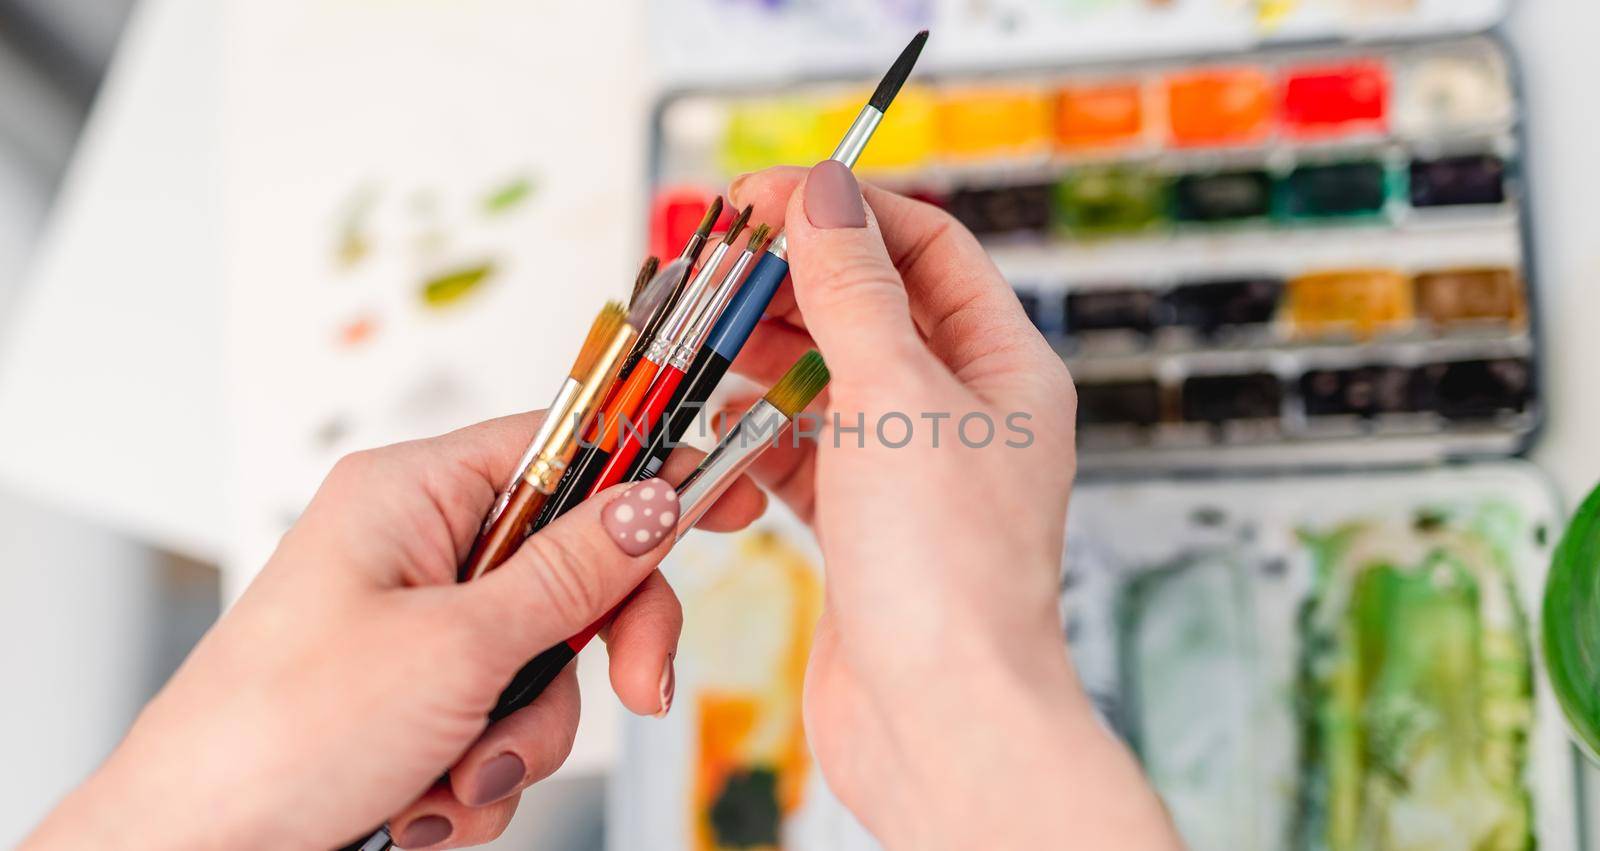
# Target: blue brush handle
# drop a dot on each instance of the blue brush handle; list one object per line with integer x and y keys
{"x": 748, "y": 305}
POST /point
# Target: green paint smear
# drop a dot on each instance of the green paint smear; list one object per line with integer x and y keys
{"x": 1416, "y": 706}
{"x": 453, "y": 286}
{"x": 509, "y": 196}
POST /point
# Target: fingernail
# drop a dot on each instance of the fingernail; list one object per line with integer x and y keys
{"x": 498, "y": 778}
{"x": 733, "y": 188}
{"x": 425, "y": 831}
{"x": 669, "y": 685}
{"x": 641, "y": 518}
{"x": 833, "y": 198}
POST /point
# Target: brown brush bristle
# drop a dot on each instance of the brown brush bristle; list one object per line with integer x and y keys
{"x": 739, "y": 222}
{"x": 605, "y": 327}
{"x": 800, "y": 384}
{"x": 655, "y": 293}
{"x": 646, "y": 272}
{"x": 759, "y": 239}
{"x": 713, "y": 213}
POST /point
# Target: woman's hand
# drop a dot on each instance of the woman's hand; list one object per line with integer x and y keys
{"x": 354, "y": 671}
{"x": 940, "y": 698}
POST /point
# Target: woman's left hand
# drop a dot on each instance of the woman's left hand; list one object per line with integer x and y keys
{"x": 354, "y": 671}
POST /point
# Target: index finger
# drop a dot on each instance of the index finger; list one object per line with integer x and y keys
{"x": 959, "y": 300}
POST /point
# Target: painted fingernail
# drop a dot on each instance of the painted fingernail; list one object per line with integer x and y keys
{"x": 833, "y": 198}
{"x": 669, "y": 685}
{"x": 499, "y": 777}
{"x": 643, "y": 517}
{"x": 425, "y": 831}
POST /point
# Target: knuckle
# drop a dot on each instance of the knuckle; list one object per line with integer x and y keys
{"x": 571, "y": 587}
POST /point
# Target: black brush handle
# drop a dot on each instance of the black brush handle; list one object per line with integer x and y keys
{"x": 533, "y": 679}
{"x": 697, "y": 386}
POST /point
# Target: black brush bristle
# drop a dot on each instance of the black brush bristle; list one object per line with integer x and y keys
{"x": 898, "y": 72}
{"x": 709, "y": 221}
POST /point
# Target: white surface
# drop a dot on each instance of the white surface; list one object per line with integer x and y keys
{"x": 446, "y": 101}
{"x": 110, "y": 374}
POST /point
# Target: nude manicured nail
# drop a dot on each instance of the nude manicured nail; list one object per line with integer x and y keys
{"x": 669, "y": 685}
{"x": 425, "y": 831}
{"x": 499, "y": 777}
{"x": 643, "y": 517}
{"x": 733, "y": 188}
{"x": 833, "y": 197}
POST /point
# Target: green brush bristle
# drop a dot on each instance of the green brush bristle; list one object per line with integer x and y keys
{"x": 800, "y": 384}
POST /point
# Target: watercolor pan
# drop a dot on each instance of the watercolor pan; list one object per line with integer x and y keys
{"x": 1458, "y": 181}
{"x": 1454, "y": 90}
{"x": 1367, "y": 391}
{"x": 1110, "y": 310}
{"x": 1332, "y": 191}
{"x": 1480, "y": 389}
{"x": 1099, "y": 116}
{"x": 674, "y": 216}
{"x": 1220, "y": 106}
{"x": 1119, "y": 403}
{"x": 1007, "y": 209}
{"x": 1230, "y": 196}
{"x": 1339, "y": 99}
{"x": 1223, "y": 398}
{"x": 1470, "y": 296}
{"x": 1101, "y": 201}
{"x": 1362, "y": 302}
{"x": 998, "y": 122}
{"x": 761, "y": 133}
{"x": 1212, "y": 307}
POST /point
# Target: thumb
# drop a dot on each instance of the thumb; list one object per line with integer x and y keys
{"x": 850, "y": 294}
{"x": 573, "y": 571}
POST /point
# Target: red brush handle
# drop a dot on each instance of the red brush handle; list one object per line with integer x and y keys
{"x": 652, "y": 415}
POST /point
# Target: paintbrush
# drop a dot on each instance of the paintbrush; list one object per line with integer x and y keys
{"x": 675, "y": 278}
{"x": 663, "y": 407}
{"x": 742, "y": 314}
{"x": 553, "y": 445}
{"x": 625, "y": 411}
{"x": 757, "y": 430}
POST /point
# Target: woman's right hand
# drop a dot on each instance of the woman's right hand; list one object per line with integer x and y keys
{"x": 940, "y": 699}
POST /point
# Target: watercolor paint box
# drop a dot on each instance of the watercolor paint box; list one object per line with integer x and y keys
{"x": 1220, "y": 248}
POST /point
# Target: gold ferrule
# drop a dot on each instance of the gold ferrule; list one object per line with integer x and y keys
{"x": 562, "y": 444}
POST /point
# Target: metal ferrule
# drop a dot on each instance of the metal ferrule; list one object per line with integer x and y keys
{"x": 780, "y": 246}
{"x": 700, "y": 328}
{"x": 559, "y": 409}
{"x": 856, "y": 138}
{"x": 562, "y": 444}
{"x": 689, "y": 306}
{"x": 759, "y": 428}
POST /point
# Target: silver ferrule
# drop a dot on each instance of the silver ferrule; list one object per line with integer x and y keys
{"x": 758, "y": 429}
{"x": 856, "y": 138}
{"x": 689, "y": 306}
{"x": 779, "y": 247}
{"x": 552, "y": 418}
{"x": 700, "y": 329}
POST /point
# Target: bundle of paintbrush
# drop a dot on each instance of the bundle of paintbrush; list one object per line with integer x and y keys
{"x": 638, "y": 382}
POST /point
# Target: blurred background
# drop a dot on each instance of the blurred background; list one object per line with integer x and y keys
{"x": 1320, "y": 267}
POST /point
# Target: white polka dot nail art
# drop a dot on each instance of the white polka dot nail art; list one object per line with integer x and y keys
{"x": 641, "y": 518}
